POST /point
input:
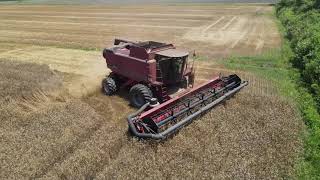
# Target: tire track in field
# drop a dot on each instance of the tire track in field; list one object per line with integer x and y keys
{"x": 201, "y": 33}
{"x": 107, "y": 20}
{"x": 104, "y": 18}
{"x": 58, "y": 38}
{"x": 121, "y": 141}
{"x": 41, "y": 41}
{"x": 256, "y": 36}
{"x": 70, "y": 150}
{"x": 104, "y": 146}
{"x": 229, "y": 23}
{"x": 211, "y": 25}
{"x": 11, "y": 51}
{"x": 99, "y": 24}
{"x": 73, "y": 32}
{"x": 241, "y": 37}
{"x": 261, "y": 37}
{"x": 112, "y": 13}
{"x": 33, "y": 41}
{"x": 108, "y": 108}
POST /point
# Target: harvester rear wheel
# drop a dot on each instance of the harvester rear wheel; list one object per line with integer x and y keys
{"x": 139, "y": 95}
{"x": 109, "y": 86}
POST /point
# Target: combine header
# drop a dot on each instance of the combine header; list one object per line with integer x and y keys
{"x": 155, "y": 73}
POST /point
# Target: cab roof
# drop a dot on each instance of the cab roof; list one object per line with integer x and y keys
{"x": 172, "y": 53}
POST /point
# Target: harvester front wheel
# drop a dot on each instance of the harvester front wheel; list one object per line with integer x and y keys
{"x": 139, "y": 95}
{"x": 109, "y": 86}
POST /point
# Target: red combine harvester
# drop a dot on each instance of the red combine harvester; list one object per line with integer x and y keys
{"x": 155, "y": 73}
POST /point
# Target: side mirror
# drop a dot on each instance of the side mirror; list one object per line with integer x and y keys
{"x": 194, "y": 53}
{"x": 116, "y": 42}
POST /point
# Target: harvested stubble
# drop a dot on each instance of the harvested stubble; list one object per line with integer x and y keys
{"x": 212, "y": 30}
{"x": 37, "y": 131}
{"x": 251, "y": 136}
{"x": 254, "y": 136}
{"x": 33, "y": 143}
{"x": 22, "y": 80}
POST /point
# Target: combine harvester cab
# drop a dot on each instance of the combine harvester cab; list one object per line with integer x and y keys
{"x": 150, "y": 70}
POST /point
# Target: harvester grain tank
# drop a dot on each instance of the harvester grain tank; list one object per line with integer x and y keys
{"x": 160, "y": 81}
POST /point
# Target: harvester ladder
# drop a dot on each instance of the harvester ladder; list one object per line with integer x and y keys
{"x": 163, "y": 88}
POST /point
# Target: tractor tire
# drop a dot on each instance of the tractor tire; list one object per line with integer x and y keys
{"x": 109, "y": 86}
{"x": 139, "y": 95}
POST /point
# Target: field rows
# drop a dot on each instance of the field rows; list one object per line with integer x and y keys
{"x": 134, "y": 9}
{"x": 79, "y": 133}
{"x": 95, "y": 28}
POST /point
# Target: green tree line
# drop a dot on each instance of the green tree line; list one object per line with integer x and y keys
{"x": 301, "y": 19}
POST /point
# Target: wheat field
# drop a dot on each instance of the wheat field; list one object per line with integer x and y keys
{"x": 56, "y": 123}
